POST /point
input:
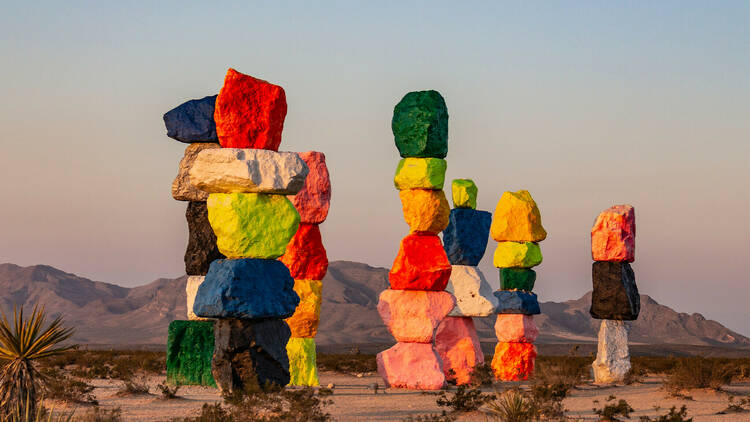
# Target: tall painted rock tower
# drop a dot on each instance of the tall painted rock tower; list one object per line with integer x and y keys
{"x": 245, "y": 183}
{"x": 517, "y": 225}
{"x": 307, "y": 262}
{"x": 465, "y": 241}
{"x": 615, "y": 298}
{"x": 416, "y": 302}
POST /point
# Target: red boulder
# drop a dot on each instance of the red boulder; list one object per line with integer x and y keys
{"x": 249, "y": 112}
{"x": 421, "y": 264}
{"x": 305, "y": 255}
{"x": 313, "y": 201}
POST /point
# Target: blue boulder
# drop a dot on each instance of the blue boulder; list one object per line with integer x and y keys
{"x": 192, "y": 121}
{"x": 246, "y": 289}
{"x": 517, "y": 302}
{"x": 465, "y": 238}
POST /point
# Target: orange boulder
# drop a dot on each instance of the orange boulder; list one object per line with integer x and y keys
{"x": 613, "y": 235}
{"x": 249, "y": 112}
{"x": 304, "y": 322}
{"x": 421, "y": 264}
{"x": 516, "y": 328}
{"x": 513, "y": 361}
{"x": 457, "y": 344}
{"x": 425, "y": 210}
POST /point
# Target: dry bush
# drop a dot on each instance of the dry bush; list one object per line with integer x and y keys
{"x": 109, "y": 364}
{"x": 698, "y": 372}
{"x": 482, "y": 375}
{"x": 347, "y": 363}
{"x": 98, "y": 414}
{"x": 133, "y": 387}
{"x": 612, "y": 410}
{"x": 168, "y": 392}
{"x": 465, "y": 399}
{"x": 673, "y": 415}
{"x": 60, "y": 386}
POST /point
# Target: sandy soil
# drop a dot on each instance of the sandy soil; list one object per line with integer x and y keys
{"x": 354, "y": 400}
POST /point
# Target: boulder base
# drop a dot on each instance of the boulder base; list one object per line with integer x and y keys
{"x": 250, "y": 354}
{"x": 414, "y": 366}
{"x": 305, "y": 255}
{"x": 513, "y": 361}
{"x": 517, "y": 219}
{"x": 314, "y": 200}
{"x": 613, "y": 235}
{"x": 192, "y": 121}
{"x": 464, "y": 193}
{"x": 182, "y": 190}
{"x": 303, "y": 369}
{"x": 252, "y": 225}
{"x": 613, "y": 357}
{"x": 304, "y": 322}
{"x": 517, "y": 279}
{"x": 421, "y": 264}
{"x": 517, "y": 255}
{"x": 420, "y": 173}
{"x": 457, "y": 344}
{"x": 517, "y": 302}
{"x": 246, "y": 289}
{"x": 237, "y": 170}
{"x": 191, "y": 289}
{"x": 465, "y": 238}
{"x": 249, "y": 112}
{"x": 190, "y": 347}
{"x": 474, "y": 295}
{"x": 420, "y": 125}
{"x": 201, "y": 248}
{"x": 413, "y": 316}
{"x": 615, "y": 295}
{"x": 515, "y": 328}
{"x": 425, "y": 211}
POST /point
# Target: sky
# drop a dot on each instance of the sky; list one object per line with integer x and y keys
{"x": 584, "y": 104}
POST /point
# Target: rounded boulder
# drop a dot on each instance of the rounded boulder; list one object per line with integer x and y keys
{"x": 421, "y": 264}
{"x": 413, "y": 316}
{"x": 305, "y": 255}
{"x": 425, "y": 211}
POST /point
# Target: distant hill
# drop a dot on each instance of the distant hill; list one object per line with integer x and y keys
{"x": 108, "y": 314}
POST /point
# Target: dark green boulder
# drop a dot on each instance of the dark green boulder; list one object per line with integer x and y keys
{"x": 190, "y": 348}
{"x": 517, "y": 279}
{"x": 420, "y": 125}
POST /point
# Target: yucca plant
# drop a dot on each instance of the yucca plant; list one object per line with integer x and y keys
{"x": 22, "y": 343}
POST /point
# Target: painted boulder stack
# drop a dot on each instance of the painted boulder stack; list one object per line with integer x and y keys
{"x": 615, "y": 299}
{"x": 306, "y": 259}
{"x": 517, "y": 226}
{"x": 465, "y": 241}
{"x": 417, "y": 302}
{"x": 245, "y": 223}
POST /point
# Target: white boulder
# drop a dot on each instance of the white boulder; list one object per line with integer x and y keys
{"x": 613, "y": 357}
{"x": 191, "y": 289}
{"x": 244, "y": 170}
{"x": 473, "y": 293}
{"x": 182, "y": 190}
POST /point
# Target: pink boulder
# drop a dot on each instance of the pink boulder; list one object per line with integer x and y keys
{"x": 613, "y": 235}
{"x": 313, "y": 201}
{"x": 411, "y": 365}
{"x": 516, "y": 328}
{"x": 457, "y": 344}
{"x": 413, "y": 315}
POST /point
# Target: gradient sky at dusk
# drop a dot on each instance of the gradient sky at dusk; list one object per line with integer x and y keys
{"x": 585, "y": 104}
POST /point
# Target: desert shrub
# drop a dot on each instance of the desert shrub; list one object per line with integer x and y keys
{"x": 741, "y": 406}
{"x": 513, "y": 405}
{"x": 674, "y": 415}
{"x": 168, "y": 392}
{"x": 444, "y": 417}
{"x": 60, "y": 386}
{"x": 611, "y": 410}
{"x": 698, "y": 372}
{"x": 22, "y": 343}
{"x": 464, "y": 399}
{"x": 97, "y": 414}
{"x": 133, "y": 386}
{"x": 347, "y": 363}
{"x": 482, "y": 375}
{"x": 110, "y": 364}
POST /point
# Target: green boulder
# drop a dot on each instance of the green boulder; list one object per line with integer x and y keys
{"x": 420, "y": 125}
{"x": 190, "y": 348}
{"x": 517, "y": 279}
{"x": 303, "y": 368}
{"x": 464, "y": 193}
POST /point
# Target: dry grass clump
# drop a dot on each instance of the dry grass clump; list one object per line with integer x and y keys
{"x": 108, "y": 364}
{"x": 58, "y": 385}
{"x": 698, "y": 372}
{"x": 347, "y": 363}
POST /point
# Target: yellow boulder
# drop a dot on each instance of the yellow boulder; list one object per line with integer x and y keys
{"x": 425, "y": 210}
{"x": 517, "y": 255}
{"x": 303, "y": 369}
{"x": 420, "y": 173}
{"x": 464, "y": 193}
{"x": 304, "y": 322}
{"x": 517, "y": 219}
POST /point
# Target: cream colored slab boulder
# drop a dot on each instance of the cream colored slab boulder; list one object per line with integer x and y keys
{"x": 239, "y": 170}
{"x": 473, "y": 293}
{"x": 193, "y": 282}
{"x": 613, "y": 357}
{"x": 182, "y": 190}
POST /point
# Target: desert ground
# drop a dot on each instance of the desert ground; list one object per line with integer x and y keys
{"x": 354, "y": 400}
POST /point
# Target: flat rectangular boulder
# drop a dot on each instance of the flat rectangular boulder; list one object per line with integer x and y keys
{"x": 517, "y": 302}
{"x": 465, "y": 238}
{"x": 190, "y": 348}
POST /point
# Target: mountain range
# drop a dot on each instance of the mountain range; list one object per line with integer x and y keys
{"x": 107, "y": 314}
